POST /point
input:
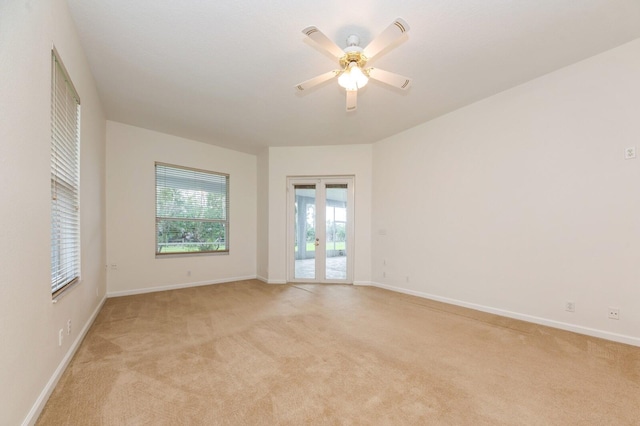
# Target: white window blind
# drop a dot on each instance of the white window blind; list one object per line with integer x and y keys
{"x": 65, "y": 155}
{"x": 192, "y": 210}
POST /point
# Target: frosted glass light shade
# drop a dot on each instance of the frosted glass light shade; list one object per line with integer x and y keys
{"x": 353, "y": 78}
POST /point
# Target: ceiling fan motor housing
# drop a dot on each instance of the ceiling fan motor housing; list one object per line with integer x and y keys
{"x": 353, "y": 53}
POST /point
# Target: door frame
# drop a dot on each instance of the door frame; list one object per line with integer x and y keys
{"x": 320, "y": 182}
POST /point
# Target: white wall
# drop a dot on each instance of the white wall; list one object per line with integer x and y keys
{"x": 131, "y": 156}
{"x": 319, "y": 161}
{"x": 515, "y": 204}
{"x": 30, "y": 357}
{"x": 522, "y": 201}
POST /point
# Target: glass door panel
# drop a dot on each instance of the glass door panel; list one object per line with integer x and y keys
{"x": 336, "y": 231}
{"x": 320, "y": 229}
{"x": 305, "y": 241}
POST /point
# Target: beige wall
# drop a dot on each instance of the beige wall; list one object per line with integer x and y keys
{"x": 522, "y": 201}
{"x": 319, "y": 161}
{"x": 131, "y": 155}
{"x": 30, "y": 357}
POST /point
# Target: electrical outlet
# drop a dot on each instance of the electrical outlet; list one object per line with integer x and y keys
{"x": 614, "y": 313}
{"x": 68, "y": 327}
{"x": 60, "y": 334}
{"x": 188, "y": 273}
{"x": 384, "y": 274}
{"x": 630, "y": 153}
{"x": 570, "y": 306}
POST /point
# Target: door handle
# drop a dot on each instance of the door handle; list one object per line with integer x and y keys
{"x": 317, "y": 242}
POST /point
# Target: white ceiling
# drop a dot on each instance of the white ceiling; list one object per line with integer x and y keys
{"x": 224, "y": 72}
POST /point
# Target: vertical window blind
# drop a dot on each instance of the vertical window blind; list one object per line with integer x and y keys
{"x": 65, "y": 156}
{"x": 192, "y": 210}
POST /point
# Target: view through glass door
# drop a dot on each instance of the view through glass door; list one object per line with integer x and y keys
{"x": 320, "y": 229}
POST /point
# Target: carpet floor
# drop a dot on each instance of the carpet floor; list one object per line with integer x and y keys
{"x": 247, "y": 353}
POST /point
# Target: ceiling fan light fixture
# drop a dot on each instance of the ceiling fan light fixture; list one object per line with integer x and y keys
{"x": 359, "y": 77}
{"x": 352, "y": 74}
{"x": 353, "y": 78}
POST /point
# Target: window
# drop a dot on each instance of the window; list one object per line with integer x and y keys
{"x": 192, "y": 211}
{"x": 65, "y": 172}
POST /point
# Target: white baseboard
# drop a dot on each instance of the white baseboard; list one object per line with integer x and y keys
{"x": 363, "y": 283}
{"x": 621, "y": 338}
{"x": 268, "y": 281}
{"x": 38, "y": 406}
{"x": 176, "y": 286}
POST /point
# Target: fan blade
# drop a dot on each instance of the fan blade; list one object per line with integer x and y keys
{"x": 388, "y": 36}
{"x": 352, "y": 100}
{"x": 317, "y": 80}
{"x": 390, "y": 78}
{"x": 318, "y": 36}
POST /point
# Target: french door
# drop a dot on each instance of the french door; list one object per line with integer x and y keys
{"x": 320, "y": 229}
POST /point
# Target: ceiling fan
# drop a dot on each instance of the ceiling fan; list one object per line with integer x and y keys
{"x": 352, "y": 74}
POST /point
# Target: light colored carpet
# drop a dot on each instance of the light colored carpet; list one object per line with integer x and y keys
{"x": 247, "y": 353}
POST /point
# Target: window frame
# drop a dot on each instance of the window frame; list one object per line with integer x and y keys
{"x": 225, "y": 222}
{"x": 64, "y": 179}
